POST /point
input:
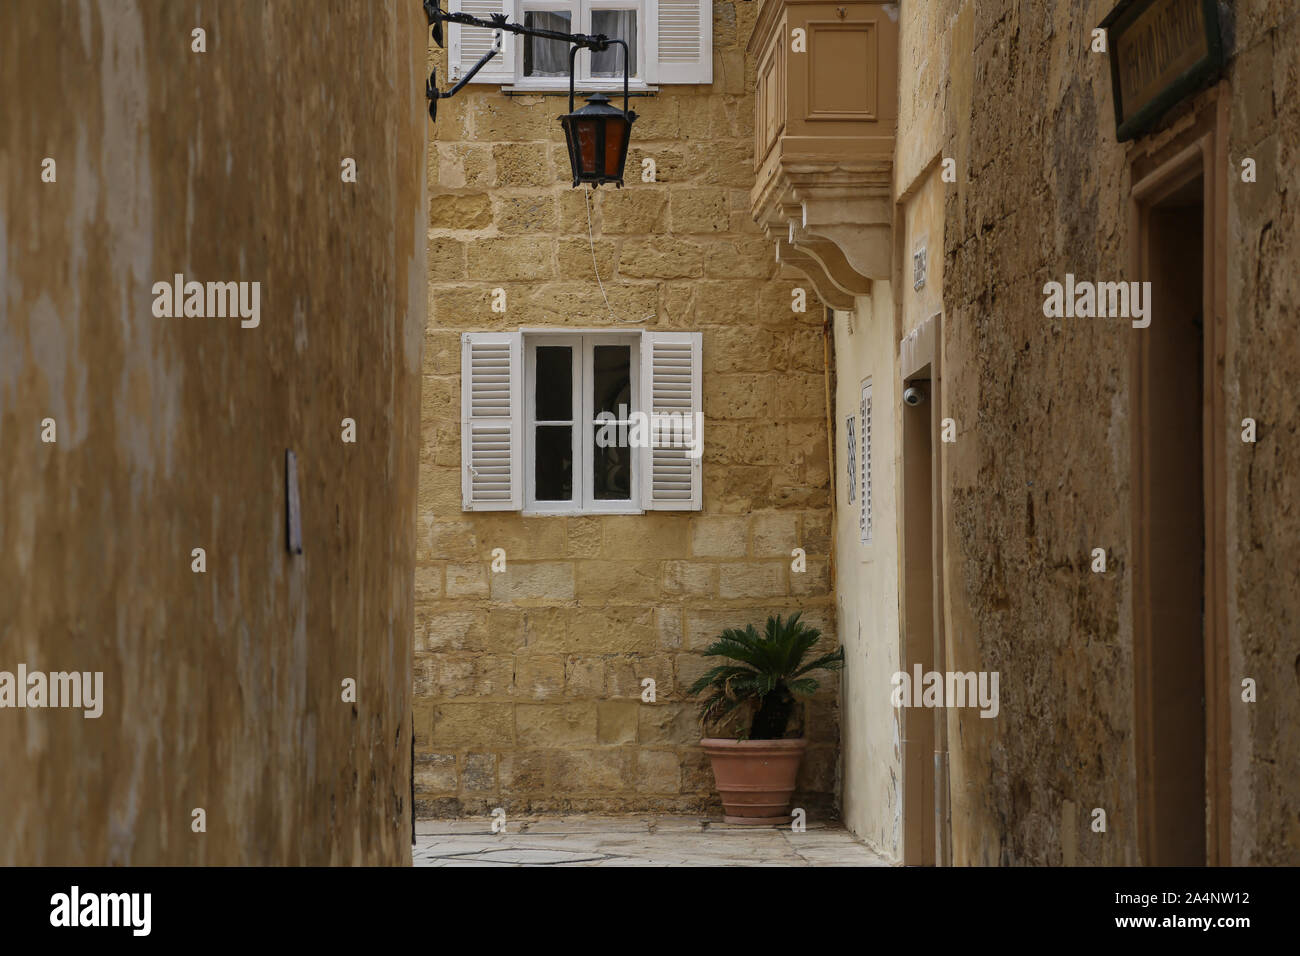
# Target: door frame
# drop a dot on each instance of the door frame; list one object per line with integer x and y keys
{"x": 927, "y": 830}
{"x": 1158, "y": 164}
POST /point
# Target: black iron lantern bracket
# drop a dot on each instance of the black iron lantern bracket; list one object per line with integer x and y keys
{"x": 591, "y": 131}
{"x": 497, "y": 21}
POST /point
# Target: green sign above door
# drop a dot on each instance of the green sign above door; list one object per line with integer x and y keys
{"x": 1160, "y": 51}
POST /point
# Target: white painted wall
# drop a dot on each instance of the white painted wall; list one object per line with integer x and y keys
{"x": 866, "y": 576}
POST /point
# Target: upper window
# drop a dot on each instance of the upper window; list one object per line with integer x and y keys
{"x": 581, "y": 422}
{"x": 669, "y": 41}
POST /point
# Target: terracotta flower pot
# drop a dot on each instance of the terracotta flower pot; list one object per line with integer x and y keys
{"x": 755, "y": 777}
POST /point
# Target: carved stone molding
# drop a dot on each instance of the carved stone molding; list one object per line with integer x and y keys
{"x": 827, "y": 291}
{"x": 828, "y": 254}
{"x": 860, "y": 227}
{"x": 825, "y": 141}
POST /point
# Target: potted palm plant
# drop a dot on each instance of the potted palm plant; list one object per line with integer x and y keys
{"x": 755, "y": 772}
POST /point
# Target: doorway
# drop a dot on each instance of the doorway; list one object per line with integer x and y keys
{"x": 926, "y": 814}
{"x": 1172, "y": 688}
{"x": 1179, "y": 508}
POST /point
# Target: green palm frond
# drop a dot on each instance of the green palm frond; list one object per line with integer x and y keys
{"x": 829, "y": 662}
{"x": 716, "y": 675}
{"x": 762, "y": 665}
{"x": 754, "y": 657}
{"x": 803, "y": 686}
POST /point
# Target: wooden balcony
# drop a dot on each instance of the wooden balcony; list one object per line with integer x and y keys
{"x": 826, "y": 113}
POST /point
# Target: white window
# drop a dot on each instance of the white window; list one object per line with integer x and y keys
{"x": 582, "y": 422}
{"x": 669, "y": 41}
{"x": 580, "y": 395}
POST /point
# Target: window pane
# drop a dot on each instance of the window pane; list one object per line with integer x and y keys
{"x": 553, "y": 469}
{"x": 554, "y": 388}
{"x": 612, "y": 366}
{"x": 546, "y": 57}
{"x": 611, "y": 478}
{"x": 620, "y": 24}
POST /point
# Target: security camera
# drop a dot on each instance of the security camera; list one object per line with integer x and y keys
{"x": 913, "y": 395}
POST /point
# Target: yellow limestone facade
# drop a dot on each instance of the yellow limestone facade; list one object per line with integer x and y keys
{"x": 529, "y": 680}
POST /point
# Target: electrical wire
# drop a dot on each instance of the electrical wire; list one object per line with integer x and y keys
{"x": 596, "y": 268}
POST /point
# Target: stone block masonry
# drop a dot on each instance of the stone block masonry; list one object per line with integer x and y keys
{"x": 529, "y": 681}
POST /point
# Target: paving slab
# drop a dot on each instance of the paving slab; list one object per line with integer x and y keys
{"x": 584, "y": 840}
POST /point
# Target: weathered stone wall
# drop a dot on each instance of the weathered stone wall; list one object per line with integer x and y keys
{"x": 1264, "y": 479}
{"x": 221, "y": 690}
{"x": 528, "y": 681}
{"x": 1040, "y": 472}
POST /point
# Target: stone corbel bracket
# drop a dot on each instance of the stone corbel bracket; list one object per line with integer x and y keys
{"x": 856, "y": 224}
{"x": 789, "y": 255}
{"x": 834, "y": 264}
{"x": 835, "y": 225}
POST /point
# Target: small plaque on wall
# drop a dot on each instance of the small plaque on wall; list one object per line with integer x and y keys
{"x": 1160, "y": 51}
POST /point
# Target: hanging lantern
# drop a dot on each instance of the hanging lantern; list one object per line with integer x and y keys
{"x": 598, "y": 134}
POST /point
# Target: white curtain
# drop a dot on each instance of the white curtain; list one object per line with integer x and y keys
{"x": 620, "y": 24}
{"x": 546, "y": 57}
{"x": 551, "y": 57}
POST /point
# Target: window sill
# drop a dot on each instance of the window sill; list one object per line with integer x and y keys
{"x": 561, "y": 88}
{"x": 579, "y": 513}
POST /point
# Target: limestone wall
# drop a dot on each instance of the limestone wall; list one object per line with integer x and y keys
{"x": 528, "y": 682}
{"x": 1040, "y": 472}
{"x": 222, "y": 690}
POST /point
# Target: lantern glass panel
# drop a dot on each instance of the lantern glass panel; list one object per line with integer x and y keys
{"x": 615, "y": 130}
{"x": 586, "y": 132}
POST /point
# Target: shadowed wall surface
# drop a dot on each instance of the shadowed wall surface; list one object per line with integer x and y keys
{"x": 1039, "y": 474}
{"x": 222, "y": 690}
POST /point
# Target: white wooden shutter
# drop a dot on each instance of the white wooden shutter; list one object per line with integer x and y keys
{"x": 466, "y": 44}
{"x": 670, "y": 384}
{"x": 684, "y": 30}
{"x": 491, "y": 424}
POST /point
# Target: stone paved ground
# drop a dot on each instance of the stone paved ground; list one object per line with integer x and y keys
{"x": 634, "y": 841}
